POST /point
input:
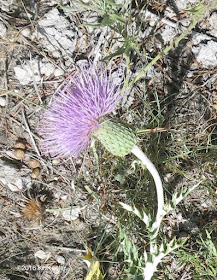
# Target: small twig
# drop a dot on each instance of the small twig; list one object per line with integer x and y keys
{"x": 5, "y": 92}
{"x": 33, "y": 78}
{"x": 67, "y": 249}
{"x": 164, "y": 20}
{"x": 19, "y": 103}
{"x": 23, "y": 126}
{"x": 30, "y": 134}
{"x": 97, "y": 47}
{"x": 151, "y": 130}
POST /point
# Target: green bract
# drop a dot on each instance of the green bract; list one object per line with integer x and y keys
{"x": 117, "y": 138}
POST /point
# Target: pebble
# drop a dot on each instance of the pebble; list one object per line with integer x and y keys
{"x": 55, "y": 269}
{"x": 56, "y": 161}
{"x": 56, "y": 54}
{"x": 60, "y": 260}
{"x": 11, "y": 177}
{"x": 3, "y": 30}
{"x": 26, "y": 32}
{"x": 2, "y": 101}
{"x": 58, "y": 72}
{"x": 64, "y": 197}
{"x": 42, "y": 255}
{"x": 206, "y": 203}
{"x": 46, "y": 69}
{"x": 206, "y": 54}
{"x": 213, "y": 25}
{"x": 22, "y": 75}
{"x": 33, "y": 70}
{"x": 73, "y": 185}
{"x": 71, "y": 214}
{"x": 17, "y": 186}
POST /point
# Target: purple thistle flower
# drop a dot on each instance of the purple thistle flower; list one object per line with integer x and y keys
{"x": 75, "y": 111}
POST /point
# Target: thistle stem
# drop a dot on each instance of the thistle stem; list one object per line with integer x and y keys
{"x": 159, "y": 188}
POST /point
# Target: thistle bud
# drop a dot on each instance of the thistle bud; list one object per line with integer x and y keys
{"x": 117, "y": 138}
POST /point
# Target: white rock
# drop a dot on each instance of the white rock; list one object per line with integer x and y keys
{"x": 183, "y": 4}
{"x": 206, "y": 54}
{"x": 2, "y": 101}
{"x": 11, "y": 177}
{"x": 17, "y": 186}
{"x": 213, "y": 21}
{"x": 58, "y": 72}
{"x": 199, "y": 37}
{"x": 150, "y": 17}
{"x": 42, "y": 255}
{"x": 3, "y": 30}
{"x": 56, "y": 33}
{"x": 51, "y": 3}
{"x": 71, "y": 214}
{"x": 73, "y": 185}
{"x": 56, "y": 54}
{"x": 168, "y": 33}
{"x": 60, "y": 260}
{"x": 64, "y": 196}
{"x": 22, "y": 75}
{"x": 26, "y": 32}
{"x": 5, "y": 5}
{"x": 55, "y": 269}
{"x": 47, "y": 69}
{"x": 56, "y": 161}
{"x": 213, "y": 24}
{"x": 206, "y": 203}
{"x": 67, "y": 63}
{"x": 32, "y": 70}
{"x": 167, "y": 177}
{"x": 57, "y": 195}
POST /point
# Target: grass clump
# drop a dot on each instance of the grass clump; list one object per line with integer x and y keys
{"x": 203, "y": 260}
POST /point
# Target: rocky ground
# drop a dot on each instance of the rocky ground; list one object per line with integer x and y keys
{"x": 51, "y": 209}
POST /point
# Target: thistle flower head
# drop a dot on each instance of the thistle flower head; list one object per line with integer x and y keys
{"x": 75, "y": 111}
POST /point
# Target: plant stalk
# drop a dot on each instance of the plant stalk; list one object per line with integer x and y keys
{"x": 159, "y": 187}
